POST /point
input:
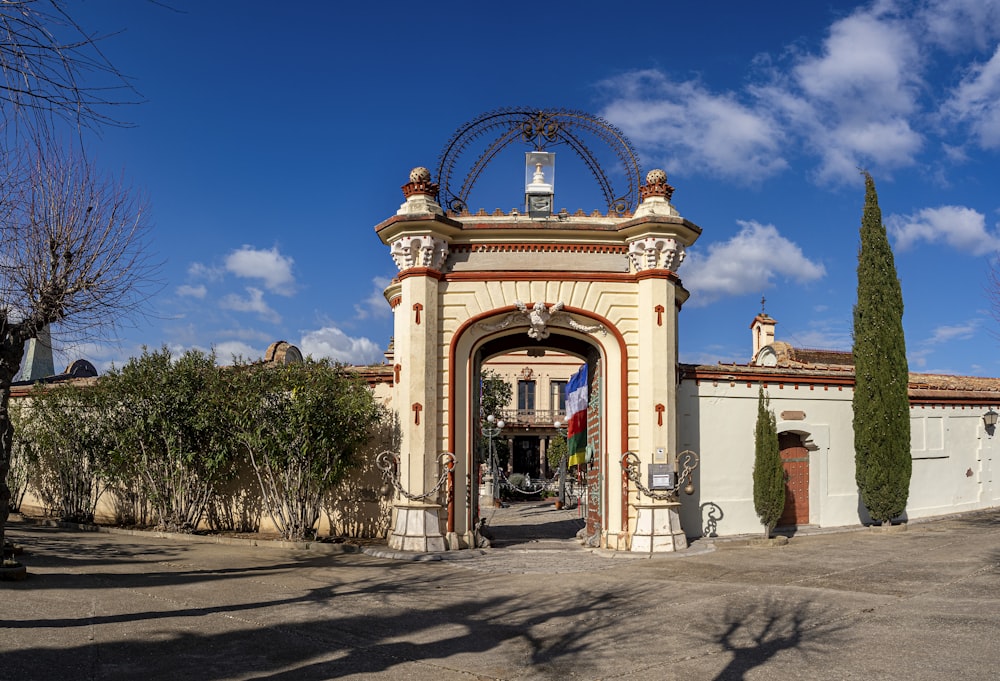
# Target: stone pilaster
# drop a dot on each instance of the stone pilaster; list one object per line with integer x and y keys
{"x": 420, "y": 254}
{"x": 655, "y": 253}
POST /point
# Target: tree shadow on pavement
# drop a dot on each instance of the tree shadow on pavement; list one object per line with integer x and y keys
{"x": 754, "y": 633}
{"x": 368, "y": 631}
{"x": 117, "y": 609}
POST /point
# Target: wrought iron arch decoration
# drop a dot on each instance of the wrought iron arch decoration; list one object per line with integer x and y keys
{"x": 540, "y": 129}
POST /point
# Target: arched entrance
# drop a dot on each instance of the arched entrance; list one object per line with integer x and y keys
{"x": 537, "y": 366}
{"x": 602, "y": 287}
{"x": 594, "y": 341}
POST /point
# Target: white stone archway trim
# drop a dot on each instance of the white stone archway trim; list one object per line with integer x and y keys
{"x": 471, "y": 336}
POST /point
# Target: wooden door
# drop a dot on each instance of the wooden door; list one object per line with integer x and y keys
{"x": 795, "y": 461}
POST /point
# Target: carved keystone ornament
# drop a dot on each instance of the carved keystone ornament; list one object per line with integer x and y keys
{"x": 539, "y": 316}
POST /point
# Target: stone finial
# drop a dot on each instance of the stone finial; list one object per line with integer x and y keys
{"x": 420, "y": 183}
{"x": 421, "y": 194}
{"x": 656, "y": 185}
{"x": 655, "y": 196}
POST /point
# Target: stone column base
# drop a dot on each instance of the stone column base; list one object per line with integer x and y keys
{"x": 486, "y": 498}
{"x": 658, "y": 529}
{"x": 417, "y": 528}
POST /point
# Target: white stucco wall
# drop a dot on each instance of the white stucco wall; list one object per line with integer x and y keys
{"x": 952, "y": 455}
{"x": 952, "y": 461}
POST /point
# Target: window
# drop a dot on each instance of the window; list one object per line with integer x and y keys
{"x": 557, "y": 396}
{"x": 525, "y": 395}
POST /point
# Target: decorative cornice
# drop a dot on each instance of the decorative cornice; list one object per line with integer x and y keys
{"x": 421, "y": 272}
{"x": 603, "y": 277}
{"x": 657, "y": 274}
{"x": 519, "y": 247}
{"x": 419, "y": 251}
{"x": 656, "y": 253}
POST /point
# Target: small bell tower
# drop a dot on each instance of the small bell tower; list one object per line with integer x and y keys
{"x": 762, "y": 329}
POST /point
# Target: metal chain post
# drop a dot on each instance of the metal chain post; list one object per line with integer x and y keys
{"x": 687, "y": 462}
{"x": 388, "y": 463}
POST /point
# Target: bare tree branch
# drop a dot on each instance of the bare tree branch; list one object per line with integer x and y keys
{"x": 73, "y": 252}
{"x": 52, "y": 69}
{"x": 74, "y": 248}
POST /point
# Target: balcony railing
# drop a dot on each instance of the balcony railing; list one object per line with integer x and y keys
{"x": 532, "y": 418}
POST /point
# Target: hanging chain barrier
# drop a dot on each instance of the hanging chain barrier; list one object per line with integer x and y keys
{"x": 687, "y": 461}
{"x": 388, "y": 463}
{"x": 534, "y": 486}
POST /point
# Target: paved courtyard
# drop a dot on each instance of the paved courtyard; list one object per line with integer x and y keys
{"x": 919, "y": 604}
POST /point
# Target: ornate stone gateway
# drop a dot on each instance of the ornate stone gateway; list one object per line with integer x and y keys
{"x": 600, "y": 287}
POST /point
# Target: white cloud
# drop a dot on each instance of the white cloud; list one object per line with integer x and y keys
{"x": 332, "y": 343}
{"x": 942, "y": 335}
{"x": 254, "y": 302}
{"x": 964, "y": 229}
{"x": 854, "y": 101}
{"x": 227, "y": 351}
{"x": 197, "y": 270}
{"x": 866, "y": 62}
{"x": 957, "y": 25}
{"x": 946, "y": 334}
{"x": 976, "y": 100}
{"x": 955, "y": 154}
{"x": 823, "y": 334}
{"x": 274, "y": 269}
{"x": 918, "y": 358}
{"x": 687, "y": 127}
{"x": 188, "y": 291}
{"x": 247, "y": 334}
{"x": 747, "y": 263}
{"x": 375, "y": 305}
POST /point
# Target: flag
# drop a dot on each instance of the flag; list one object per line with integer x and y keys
{"x": 576, "y": 414}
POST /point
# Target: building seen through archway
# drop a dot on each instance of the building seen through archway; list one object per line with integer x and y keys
{"x": 536, "y": 414}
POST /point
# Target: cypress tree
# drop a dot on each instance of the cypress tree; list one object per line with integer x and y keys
{"x": 768, "y": 474}
{"x": 881, "y": 400}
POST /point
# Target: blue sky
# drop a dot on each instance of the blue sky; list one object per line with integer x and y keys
{"x": 274, "y": 136}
